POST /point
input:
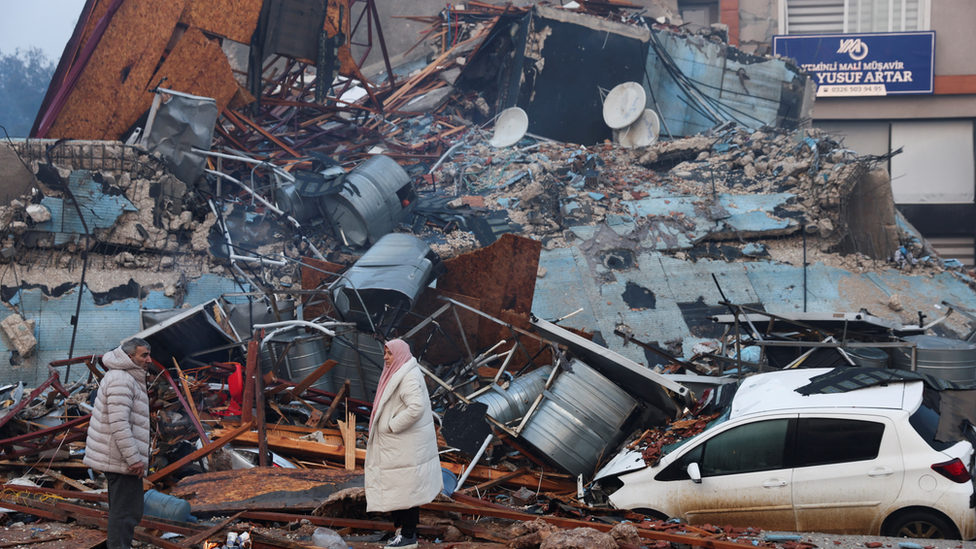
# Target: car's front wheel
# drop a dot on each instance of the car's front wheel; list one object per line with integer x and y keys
{"x": 919, "y": 523}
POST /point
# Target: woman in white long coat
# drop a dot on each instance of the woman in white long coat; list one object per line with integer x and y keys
{"x": 403, "y": 471}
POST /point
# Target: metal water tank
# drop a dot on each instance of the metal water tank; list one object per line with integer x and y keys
{"x": 304, "y": 355}
{"x": 580, "y": 418}
{"x": 868, "y": 357}
{"x": 375, "y": 197}
{"x": 507, "y": 404}
{"x": 944, "y": 358}
{"x": 386, "y": 280}
{"x": 362, "y": 370}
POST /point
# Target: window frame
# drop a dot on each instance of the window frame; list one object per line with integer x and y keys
{"x": 924, "y": 17}
{"x": 678, "y": 469}
{"x": 803, "y": 440}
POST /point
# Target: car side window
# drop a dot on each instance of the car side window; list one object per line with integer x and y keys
{"x": 822, "y": 441}
{"x": 758, "y": 446}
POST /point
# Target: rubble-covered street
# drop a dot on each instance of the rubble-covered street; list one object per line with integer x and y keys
{"x": 591, "y": 225}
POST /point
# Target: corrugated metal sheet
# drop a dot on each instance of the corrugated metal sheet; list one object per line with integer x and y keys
{"x": 570, "y": 284}
{"x": 100, "y": 210}
{"x": 748, "y": 88}
{"x": 100, "y": 329}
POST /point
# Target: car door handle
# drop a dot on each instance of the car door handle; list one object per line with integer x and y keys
{"x": 881, "y": 472}
{"x": 774, "y": 483}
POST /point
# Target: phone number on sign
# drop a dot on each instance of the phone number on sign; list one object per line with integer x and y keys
{"x": 835, "y": 91}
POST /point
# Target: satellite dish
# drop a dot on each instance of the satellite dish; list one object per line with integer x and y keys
{"x": 624, "y": 104}
{"x": 511, "y": 126}
{"x": 642, "y": 132}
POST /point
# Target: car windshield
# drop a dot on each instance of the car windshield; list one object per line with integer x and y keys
{"x": 722, "y": 418}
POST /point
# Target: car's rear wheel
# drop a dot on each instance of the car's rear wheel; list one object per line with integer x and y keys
{"x": 919, "y": 523}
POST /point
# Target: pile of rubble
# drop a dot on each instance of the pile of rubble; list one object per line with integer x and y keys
{"x": 267, "y": 245}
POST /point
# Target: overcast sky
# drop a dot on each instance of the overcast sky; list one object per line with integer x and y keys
{"x": 46, "y": 24}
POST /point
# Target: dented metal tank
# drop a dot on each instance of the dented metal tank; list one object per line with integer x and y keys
{"x": 508, "y": 404}
{"x": 582, "y": 416}
{"x": 360, "y": 360}
{"x": 386, "y": 281}
{"x": 374, "y": 198}
{"x": 944, "y": 358}
{"x": 302, "y": 354}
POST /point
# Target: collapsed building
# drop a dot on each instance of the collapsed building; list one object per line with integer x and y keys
{"x": 563, "y": 287}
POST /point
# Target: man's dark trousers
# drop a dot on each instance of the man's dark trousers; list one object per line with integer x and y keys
{"x": 125, "y": 506}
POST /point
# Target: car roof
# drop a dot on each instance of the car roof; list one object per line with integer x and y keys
{"x": 774, "y": 391}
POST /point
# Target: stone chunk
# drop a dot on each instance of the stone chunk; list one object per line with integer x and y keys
{"x": 20, "y": 334}
{"x": 38, "y": 213}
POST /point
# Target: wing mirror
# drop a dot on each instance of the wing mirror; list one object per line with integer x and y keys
{"x": 694, "y": 472}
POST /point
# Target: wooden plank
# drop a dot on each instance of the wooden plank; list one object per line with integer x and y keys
{"x": 410, "y": 84}
{"x": 257, "y": 127}
{"x": 291, "y": 446}
{"x": 549, "y": 483}
{"x": 189, "y": 400}
{"x": 249, "y": 373}
{"x": 349, "y": 440}
{"x": 494, "y": 482}
{"x": 335, "y": 404}
{"x": 69, "y": 481}
{"x": 202, "y": 452}
{"x": 202, "y": 536}
{"x": 512, "y": 514}
{"x": 305, "y": 383}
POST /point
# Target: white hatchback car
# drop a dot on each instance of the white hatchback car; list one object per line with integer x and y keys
{"x": 860, "y": 462}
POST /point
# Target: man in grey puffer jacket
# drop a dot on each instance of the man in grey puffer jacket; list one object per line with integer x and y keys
{"x": 118, "y": 437}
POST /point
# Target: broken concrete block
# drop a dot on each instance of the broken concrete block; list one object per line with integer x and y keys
{"x": 541, "y": 273}
{"x": 825, "y": 227}
{"x": 18, "y": 227}
{"x": 20, "y": 334}
{"x": 626, "y": 532}
{"x": 38, "y": 213}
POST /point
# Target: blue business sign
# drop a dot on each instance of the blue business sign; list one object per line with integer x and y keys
{"x": 864, "y": 64}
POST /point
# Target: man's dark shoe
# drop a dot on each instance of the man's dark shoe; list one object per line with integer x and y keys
{"x": 402, "y": 542}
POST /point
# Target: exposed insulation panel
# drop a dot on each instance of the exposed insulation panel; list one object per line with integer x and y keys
{"x": 101, "y": 7}
{"x": 198, "y": 66}
{"x": 234, "y": 19}
{"x": 111, "y": 92}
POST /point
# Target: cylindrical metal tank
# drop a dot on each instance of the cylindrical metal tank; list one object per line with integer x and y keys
{"x": 948, "y": 359}
{"x": 301, "y": 208}
{"x": 350, "y": 362}
{"x": 581, "y": 417}
{"x": 507, "y": 404}
{"x": 868, "y": 357}
{"x": 306, "y": 353}
{"x": 375, "y": 196}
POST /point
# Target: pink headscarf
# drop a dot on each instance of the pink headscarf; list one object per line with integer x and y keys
{"x": 401, "y": 355}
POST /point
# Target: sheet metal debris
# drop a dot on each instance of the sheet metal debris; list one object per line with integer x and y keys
{"x": 324, "y": 208}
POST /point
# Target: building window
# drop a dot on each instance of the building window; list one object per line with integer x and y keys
{"x": 852, "y": 16}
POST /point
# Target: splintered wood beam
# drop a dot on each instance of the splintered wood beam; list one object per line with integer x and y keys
{"x": 335, "y": 404}
{"x": 201, "y": 453}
